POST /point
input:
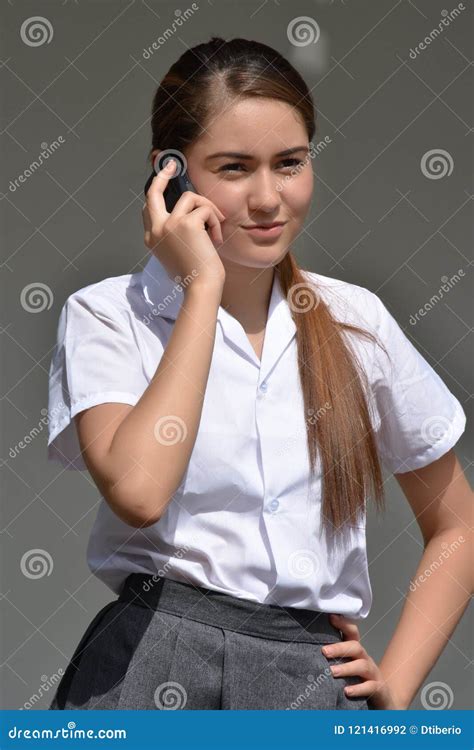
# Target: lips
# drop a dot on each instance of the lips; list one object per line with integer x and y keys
{"x": 264, "y": 226}
{"x": 266, "y": 232}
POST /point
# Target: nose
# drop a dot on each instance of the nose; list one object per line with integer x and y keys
{"x": 264, "y": 195}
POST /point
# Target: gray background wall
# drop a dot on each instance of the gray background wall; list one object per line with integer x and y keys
{"x": 378, "y": 219}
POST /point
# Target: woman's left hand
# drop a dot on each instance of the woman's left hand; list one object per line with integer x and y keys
{"x": 374, "y": 688}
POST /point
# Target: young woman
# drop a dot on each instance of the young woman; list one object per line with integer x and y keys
{"x": 234, "y": 411}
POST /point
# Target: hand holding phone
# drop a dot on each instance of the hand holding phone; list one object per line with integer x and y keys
{"x": 177, "y": 185}
{"x": 175, "y": 219}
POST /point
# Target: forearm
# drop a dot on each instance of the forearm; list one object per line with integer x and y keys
{"x": 149, "y": 455}
{"x": 438, "y": 595}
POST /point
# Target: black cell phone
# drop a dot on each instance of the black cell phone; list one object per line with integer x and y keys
{"x": 176, "y": 185}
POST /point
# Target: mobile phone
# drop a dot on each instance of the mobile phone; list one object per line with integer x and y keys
{"x": 176, "y": 185}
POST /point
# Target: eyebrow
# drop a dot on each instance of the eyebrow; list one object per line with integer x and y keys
{"x": 237, "y": 155}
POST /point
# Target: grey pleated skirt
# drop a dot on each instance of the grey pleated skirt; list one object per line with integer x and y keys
{"x": 169, "y": 645}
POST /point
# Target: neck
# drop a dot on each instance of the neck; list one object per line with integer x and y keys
{"x": 246, "y": 294}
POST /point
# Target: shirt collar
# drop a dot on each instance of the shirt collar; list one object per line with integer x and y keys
{"x": 165, "y": 296}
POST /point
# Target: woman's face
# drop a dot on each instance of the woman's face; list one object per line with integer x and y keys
{"x": 265, "y": 187}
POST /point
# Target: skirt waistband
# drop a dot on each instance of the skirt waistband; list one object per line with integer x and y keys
{"x": 229, "y": 612}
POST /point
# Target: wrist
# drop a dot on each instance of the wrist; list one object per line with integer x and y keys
{"x": 399, "y": 702}
{"x": 205, "y": 289}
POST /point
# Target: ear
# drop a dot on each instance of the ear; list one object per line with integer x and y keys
{"x": 153, "y": 155}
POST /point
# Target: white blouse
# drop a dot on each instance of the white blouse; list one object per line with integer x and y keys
{"x": 245, "y": 519}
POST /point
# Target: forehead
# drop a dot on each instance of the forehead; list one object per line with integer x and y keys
{"x": 260, "y": 127}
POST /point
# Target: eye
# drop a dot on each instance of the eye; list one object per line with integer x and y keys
{"x": 232, "y": 167}
{"x": 293, "y": 162}
{"x": 228, "y": 167}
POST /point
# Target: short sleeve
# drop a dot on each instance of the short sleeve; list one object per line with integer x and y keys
{"x": 419, "y": 418}
{"x": 96, "y": 360}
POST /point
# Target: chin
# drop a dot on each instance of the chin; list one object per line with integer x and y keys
{"x": 257, "y": 256}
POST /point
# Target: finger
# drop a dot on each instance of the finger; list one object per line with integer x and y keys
{"x": 362, "y": 689}
{"x": 349, "y": 629}
{"x": 146, "y": 216}
{"x": 205, "y": 214}
{"x": 215, "y": 231}
{"x": 154, "y": 197}
{"x": 146, "y": 223}
{"x": 355, "y": 667}
{"x": 343, "y": 649}
{"x": 190, "y": 200}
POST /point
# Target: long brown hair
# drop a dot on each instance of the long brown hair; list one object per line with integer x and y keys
{"x": 198, "y": 84}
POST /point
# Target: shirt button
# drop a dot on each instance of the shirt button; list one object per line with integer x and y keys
{"x": 264, "y": 387}
{"x": 274, "y": 505}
